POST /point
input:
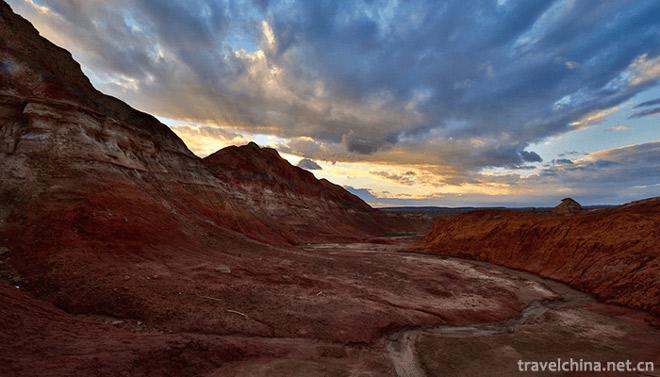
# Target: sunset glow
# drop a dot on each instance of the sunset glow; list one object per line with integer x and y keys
{"x": 522, "y": 104}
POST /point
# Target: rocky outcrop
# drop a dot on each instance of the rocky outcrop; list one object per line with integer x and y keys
{"x": 308, "y": 208}
{"x": 253, "y": 168}
{"x": 613, "y": 253}
{"x": 567, "y": 206}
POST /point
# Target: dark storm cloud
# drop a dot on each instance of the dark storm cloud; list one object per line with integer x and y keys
{"x": 460, "y": 84}
{"x": 530, "y": 156}
{"x": 361, "y": 146}
{"x": 308, "y": 164}
{"x": 645, "y": 113}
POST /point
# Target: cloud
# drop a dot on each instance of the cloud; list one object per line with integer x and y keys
{"x": 405, "y": 178}
{"x": 308, "y": 164}
{"x": 607, "y": 176}
{"x": 530, "y": 156}
{"x": 645, "y": 113}
{"x": 456, "y": 87}
{"x": 593, "y": 117}
{"x": 362, "y": 193}
{"x": 618, "y": 128}
{"x": 648, "y": 103}
{"x": 524, "y": 167}
{"x": 360, "y": 145}
{"x": 645, "y": 69}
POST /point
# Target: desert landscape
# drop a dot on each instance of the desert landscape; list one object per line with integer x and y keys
{"x": 123, "y": 253}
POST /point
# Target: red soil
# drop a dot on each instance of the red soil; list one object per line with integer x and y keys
{"x": 38, "y": 339}
{"x": 612, "y": 253}
{"x": 106, "y": 217}
{"x": 105, "y": 212}
{"x": 291, "y": 199}
{"x": 264, "y": 168}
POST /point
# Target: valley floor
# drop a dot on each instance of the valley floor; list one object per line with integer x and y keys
{"x": 360, "y": 309}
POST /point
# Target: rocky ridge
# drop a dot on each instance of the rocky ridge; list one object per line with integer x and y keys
{"x": 613, "y": 253}
{"x": 62, "y": 137}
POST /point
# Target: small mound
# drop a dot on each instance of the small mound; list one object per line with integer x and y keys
{"x": 568, "y": 206}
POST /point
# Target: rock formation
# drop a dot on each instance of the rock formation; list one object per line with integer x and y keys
{"x": 129, "y": 256}
{"x": 104, "y": 210}
{"x": 292, "y": 198}
{"x": 613, "y": 253}
{"x": 61, "y": 138}
{"x": 568, "y": 206}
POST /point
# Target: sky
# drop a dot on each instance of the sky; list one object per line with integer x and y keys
{"x": 454, "y": 103}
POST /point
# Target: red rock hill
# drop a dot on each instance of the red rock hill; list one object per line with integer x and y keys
{"x": 104, "y": 210}
{"x": 69, "y": 150}
{"x": 613, "y": 253}
{"x": 308, "y": 208}
{"x": 251, "y": 166}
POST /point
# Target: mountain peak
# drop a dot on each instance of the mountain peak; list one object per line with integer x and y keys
{"x": 263, "y": 168}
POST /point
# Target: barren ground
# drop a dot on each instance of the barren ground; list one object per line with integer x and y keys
{"x": 361, "y": 309}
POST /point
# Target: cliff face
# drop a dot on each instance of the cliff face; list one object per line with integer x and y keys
{"x": 612, "y": 253}
{"x": 32, "y": 68}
